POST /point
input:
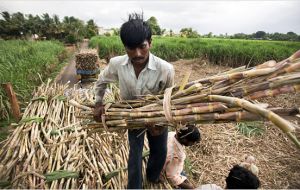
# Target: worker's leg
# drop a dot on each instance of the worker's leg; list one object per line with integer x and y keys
{"x": 136, "y": 143}
{"x": 158, "y": 153}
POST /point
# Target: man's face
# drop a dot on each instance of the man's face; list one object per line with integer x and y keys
{"x": 139, "y": 55}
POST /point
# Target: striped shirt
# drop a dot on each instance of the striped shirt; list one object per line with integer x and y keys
{"x": 155, "y": 77}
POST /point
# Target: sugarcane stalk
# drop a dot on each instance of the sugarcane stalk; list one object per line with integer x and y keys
{"x": 108, "y": 176}
{"x": 192, "y": 89}
{"x": 274, "y": 92}
{"x": 184, "y": 111}
{"x": 76, "y": 104}
{"x": 243, "y": 91}
{"x": 237, "y": 75}
{"x": 229, "y": 116}
{"x": 238, "y": 69}
{"x": 284, "y": 125}
{"x": 286, "y": 68}
{"x": 267, "y": 64}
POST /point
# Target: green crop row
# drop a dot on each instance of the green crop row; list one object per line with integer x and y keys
{"x": 229, "y": 52}
{"x": 24, "y": 64}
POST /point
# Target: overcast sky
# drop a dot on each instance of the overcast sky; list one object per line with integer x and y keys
{"x": 218, "y": 17}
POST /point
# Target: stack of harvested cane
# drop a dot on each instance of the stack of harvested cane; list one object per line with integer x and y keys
{"x": 50, "y": 149}
{"x": 86, "y": 64}
{"x": 213, "y": 100}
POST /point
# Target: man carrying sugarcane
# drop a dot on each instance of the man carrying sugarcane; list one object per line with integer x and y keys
{"x": 138, "y": 73}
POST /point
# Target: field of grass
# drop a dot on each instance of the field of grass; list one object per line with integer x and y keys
{"x": 25, "y": 64}
{"x": 219, "y": 51}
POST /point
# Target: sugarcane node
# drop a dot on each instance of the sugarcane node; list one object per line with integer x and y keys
{"x": 295, "y": 56}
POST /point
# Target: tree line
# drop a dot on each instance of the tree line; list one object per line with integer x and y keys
{"x": 262, "y": 35}
{"x": 191, "y": 33}
{"x": 71, "y": 29}
{"x": 68, "y": 30}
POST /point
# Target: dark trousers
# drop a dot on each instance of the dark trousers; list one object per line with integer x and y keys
{"x": 156, "y": 161}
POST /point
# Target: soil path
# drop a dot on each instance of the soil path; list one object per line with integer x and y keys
{"x": 68, "y": 73}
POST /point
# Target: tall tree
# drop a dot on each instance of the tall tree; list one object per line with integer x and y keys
{"x": 292, "y": 36}
{"x": 116, "y": 31}
{"x": 91, "y": 29}
{"x": 155, "y": 28}
{"x": 171, "y": 32}
{"x": 17, "y": 24}
{"x": 210, "y": 34}
{"x": 260, "y": 34}
{"x": 73, "y": 28}
{"x": 189, "y": 33}
{"x": 47, "y": 28}
{"x": 5, "y": 24}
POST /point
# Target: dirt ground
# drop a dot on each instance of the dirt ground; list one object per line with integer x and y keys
{"x": 222, "y": 146}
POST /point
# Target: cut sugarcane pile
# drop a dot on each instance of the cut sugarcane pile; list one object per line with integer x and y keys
{"x": 217, "y": 99}
{"x": 50, "y": 149}
{"x": 87, "y": 59}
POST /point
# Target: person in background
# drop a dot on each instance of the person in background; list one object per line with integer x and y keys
{"x": 241, "y": 178}
{"x": 173, "y": 169}
{"x": 238, "y": 178}
{"x": 138, "y": 73}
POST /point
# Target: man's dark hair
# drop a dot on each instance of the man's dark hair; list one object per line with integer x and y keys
{"x": 241, "y": 178}
{"x": 135, "y": 31}
{"x": 190, "y": 132}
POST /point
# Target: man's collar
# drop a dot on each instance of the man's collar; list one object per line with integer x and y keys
{"x": 151, "y": 63}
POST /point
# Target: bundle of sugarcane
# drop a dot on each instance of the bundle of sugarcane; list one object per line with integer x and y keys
{"x": 86, "y": 60}
{"x": 50, "y": 149}
{"x": 217, "y": 99}
{"x": 112, "y": 93}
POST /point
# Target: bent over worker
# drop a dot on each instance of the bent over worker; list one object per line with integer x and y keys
{"x": 177, "y": 141}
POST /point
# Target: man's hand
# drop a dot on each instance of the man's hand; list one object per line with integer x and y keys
{"x": 186, "y": 185}
{"x": 98, "y": 111}
{"x": 155, "y": 130}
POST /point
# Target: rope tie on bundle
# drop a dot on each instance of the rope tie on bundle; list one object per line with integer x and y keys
{"x": 167, "y": 105}
{"x": 167, "y": 108}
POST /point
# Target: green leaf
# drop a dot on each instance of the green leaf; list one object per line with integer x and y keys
{"x": 253, "y": 128}
{"x": 59, "y": 174}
